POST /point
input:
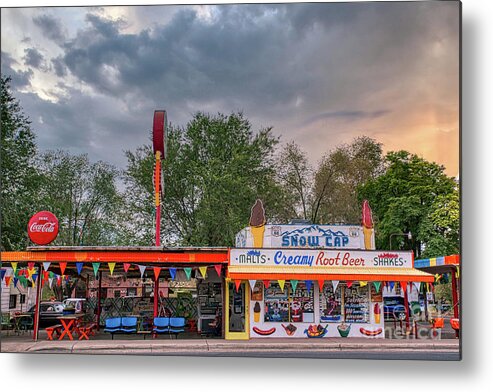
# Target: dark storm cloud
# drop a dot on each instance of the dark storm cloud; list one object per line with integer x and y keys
{"x": 33, "y": 58}
{"x": 50, "y": 26}
{"x": 347, "y": 115}
{"x": 20, "y": 79}
{"x": 59, "y": 67}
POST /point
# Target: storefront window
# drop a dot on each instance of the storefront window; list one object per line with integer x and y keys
{"x": 356, "y": 304}
{"x": 330, "y": 304}
{"x": 276, "y": 303}
{"x": 301, "y": 301}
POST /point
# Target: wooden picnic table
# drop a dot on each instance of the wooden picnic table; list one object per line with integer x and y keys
{"x": 69, "y": 324}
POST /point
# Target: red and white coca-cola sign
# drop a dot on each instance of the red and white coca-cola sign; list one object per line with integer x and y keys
{"x": 43, "y": 228}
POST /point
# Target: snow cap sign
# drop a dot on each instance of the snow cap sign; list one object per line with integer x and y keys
{"x": 42, "y": 228}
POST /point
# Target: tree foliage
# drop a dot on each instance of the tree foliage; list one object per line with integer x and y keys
{"x": 215, "y": 168}
{"x": 340, "y": 173}
{"x": 18, "y": 177}
{"x": 413, "y": 195}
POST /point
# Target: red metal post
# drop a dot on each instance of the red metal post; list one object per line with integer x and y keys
{"x": 98, "y": 318}
{"x": 156, "y": 296}
{"x": 406, "y": 306}
{"x": 157, "y": 196}
{"x": 36, "y": 309}
{"x": 455, "y": 297}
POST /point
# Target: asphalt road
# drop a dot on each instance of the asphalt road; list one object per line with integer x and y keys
{"x": 405, "y": 355}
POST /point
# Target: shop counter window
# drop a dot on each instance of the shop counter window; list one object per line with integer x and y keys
{"x": 288, "y": 306}
{"x": 330, "y": 304}
{"x": 356, "y": 304}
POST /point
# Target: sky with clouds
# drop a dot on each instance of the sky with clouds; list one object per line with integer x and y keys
{"x": 320, "y": 74}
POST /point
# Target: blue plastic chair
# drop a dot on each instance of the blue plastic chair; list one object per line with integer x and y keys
{"x": 161, "y": 325}
{"x": 113, "y": 325}
{"x": 129, "y": 324}
{"x": 177, "y": 325}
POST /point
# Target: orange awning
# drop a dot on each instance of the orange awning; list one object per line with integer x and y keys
{"x": 386, "y": 274}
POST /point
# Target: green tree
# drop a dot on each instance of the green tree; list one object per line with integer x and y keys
{"x": 340, "y": 173}
{"x": 215, "y": 168}
{"x": 406, "y": 198}
{"x": 82, "y": 195}
{"x": 18, "y": 178}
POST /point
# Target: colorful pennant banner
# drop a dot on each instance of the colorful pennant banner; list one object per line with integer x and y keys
{"x": 79, "y": 266}
{"x": 294, "y": 284}
{"x": 111, "y": 266}
{"x": 266, "y": 283}
{"x": 335, "y": 283}
{"x": 203, "y": 271}
{"x": 157, "y": 271}
{"x": 142, "y": 269}
{"x": 252, "y": 283}
{"x": 308, "y": 284}
{"x": 14, "y": 266}
{"x": 218, "y": 268}
{"x": 362, "y": 283}
{"x": 237, "y": 284}
{"x": 62, "y": 268}
{"x": 46, "y": 265}
{"x": 349, "y": 283}
{"x": 172, "y": 272}
{"x": 7, "y": 280}
{"x": 126, "y": 266}
{"x": 377, "y": 286}
{"x": 188, "y": 272}
{"x": 321, "y": 284}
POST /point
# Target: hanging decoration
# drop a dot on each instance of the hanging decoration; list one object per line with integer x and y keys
{"x": 266, "y": 283}
{"x": 30, "y": 265}
{"x": 126, "y": 266}
{"x": 30, "y": 273}
{"x": 218, "y": 267}
{"x": 172, "y": 272}
{"x": 335, "y": 283}
{"x": 252, "y": 283}
{"x": 281, "y": 283}
{"x": 2, "y": 274}
{"x": 46, "y": 275}
{"x": 46, "y": 265}
{"x": 391, "y": 285}
{"x": 7, "y": 280}
{"x": 35, "y": 277}
{"x": 157, "y": 271}
{"x": 349, "y": 283}
{"x": 111, "y": 266}
{"x": 15, "y": 281}
{"x": 237, "y": 285}
{"x": 188, "y": 272}
{"x": 142, "y": 269}
{"x": 63, "y": 265}
{"x": 59, "y": 280}
{"x": 294, "y": 284}
{"x": 79, "y": 266}
{"x": 362, "y": 283}
{"x": 417, "y": 286}
{"x": 377, "y": 286}
{"x": 308, "y": 284}
{"x": 95, "y": 267}
{"x": 203, "y": 271}
{"x": 14, "y": 265}
{"x": 403, "y": 286}
{"x": 50, "y": 282}
{"x": 321, "y": 284}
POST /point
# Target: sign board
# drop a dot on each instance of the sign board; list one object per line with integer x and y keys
{"x": 42, "y": 228}
{"x": 307, "y": 236}
{"x": 320, "y": 258}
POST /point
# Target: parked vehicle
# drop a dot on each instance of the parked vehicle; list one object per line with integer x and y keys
{"x": 394, "y": 309}
{"x": 48, "y": 313}
{"x": 79, "y": 304}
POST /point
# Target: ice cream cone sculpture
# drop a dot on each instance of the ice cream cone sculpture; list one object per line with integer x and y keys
{"x": 256, "y": 312}
{"x": 367, "y": 222}
{"x": 376, "y": 313}
{"x": 257, "y": 224}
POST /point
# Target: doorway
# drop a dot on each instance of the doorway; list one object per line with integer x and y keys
{"x": 237, "y": 312}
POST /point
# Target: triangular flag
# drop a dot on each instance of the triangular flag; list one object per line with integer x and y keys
{"x": 417, "y": 286}
{"x": 15, "y": 281}
{"x": 403, "y": 286}
{"x": 126, "y": 266}
{"x": 30, "y": 265}
{"x": 335, "y": 283}
{"x": 35, "y": 276}
{"x": 95, "y": 267}
{"x": 30, "y": 272}
{"x": 79, "y": 267}
{"x": 2, "y": 274}
{"x": 321, "y": 284}
{"x": 62, "y": 267}
{"x": 46, "y": 275}
{"x": 294, "y": 284}
{"x": 142, "y": 269}
{"x": 362, "y": 283}
{"x": 172, "y": 272}
{"x": 308, "y": 284}
{"x": 7, "y": 281}
{"x": 266, "y": 283}
{"x": 188, "y": 272}
{"x": 391, "y": 285}
{"x": 377, "y": 286}
{"x": 203, "y": 271}
{"x": 157, "y": 271}
{"x": 252, "y": 283}
{"x": 52, "y": 274}
{"x": 218, "y": 267}
{"x": 349, "y": 283}
{"x": 14, "y": 266}
{"x": 50, "y": 281}
{"x": 281, "y": 283}
{"x": 46, "y": 265}
{"x": 58, "y": 280}
{"x": 237, "y": 284}
{"x": 111, "y": 266}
